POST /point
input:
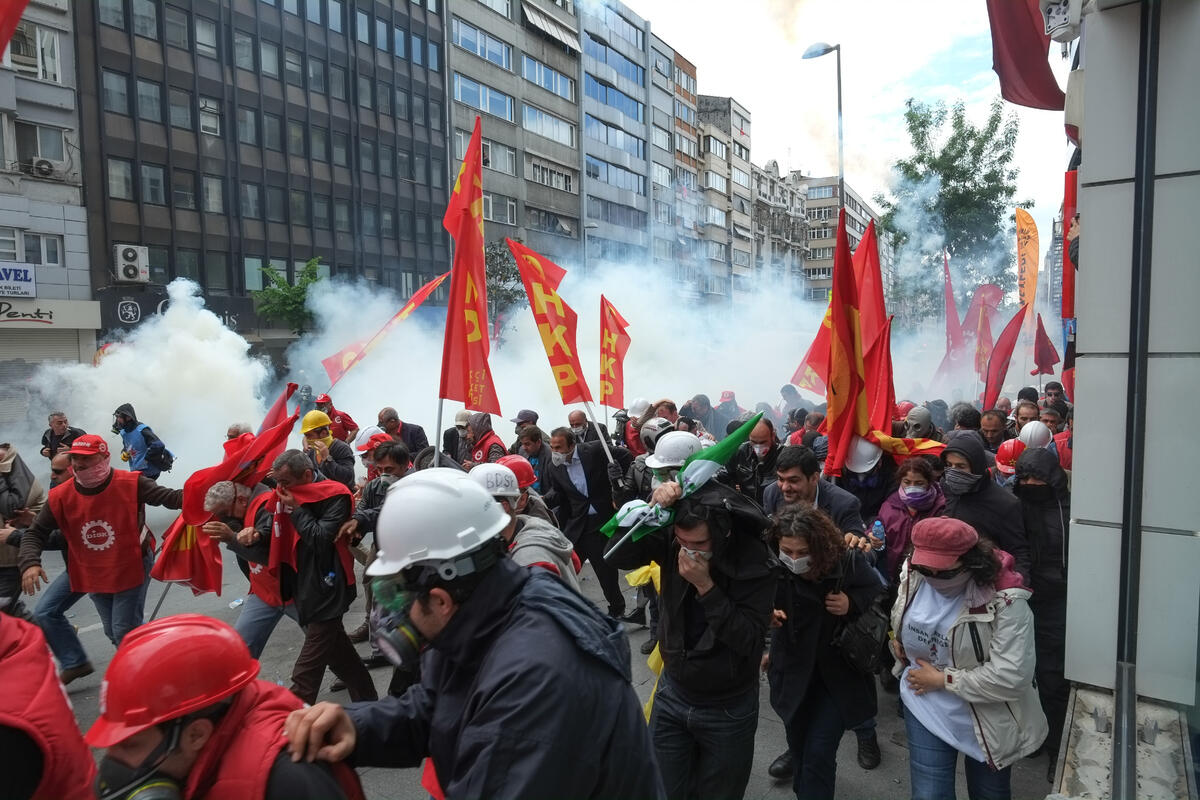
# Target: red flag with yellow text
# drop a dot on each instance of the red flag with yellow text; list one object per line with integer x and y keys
{"x": 189, "y": 556}
{"x": 614, "y": 344}
{"x": 846, "y": 415}
{"x": 466, "y": 375}
{"x": 556, "y": 321}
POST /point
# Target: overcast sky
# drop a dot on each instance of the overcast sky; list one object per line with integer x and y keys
{"x": 891, "y": 50}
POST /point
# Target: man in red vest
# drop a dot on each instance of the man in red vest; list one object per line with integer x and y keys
{"x": 182, "y": 711}
{"x": 343, "y": 425}
{"x": 100, "y": 514}
{"x": 40, "y": 745}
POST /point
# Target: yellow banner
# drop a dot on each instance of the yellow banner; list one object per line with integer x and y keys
{"x": 1027, "y": 257}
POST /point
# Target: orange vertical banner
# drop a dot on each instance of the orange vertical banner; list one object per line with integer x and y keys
{"x": 847, "y": 396}
{"x": 614, "y": 344}
{"x": 1027, "y": 257}
{"x": 556, "y": 321}
{"x": 466, "y": 376}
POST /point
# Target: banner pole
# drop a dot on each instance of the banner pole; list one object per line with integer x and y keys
{"x": 166, "y": 588}
{"x": 437, "y": 450}
{"x": 599, "y": 432}
{"x": 627, "y": 536}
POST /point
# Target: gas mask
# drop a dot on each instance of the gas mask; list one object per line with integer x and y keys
{"x": 394, "y": 632}
{"x": 661, "y": 476}
{"x": 116, "y": 781}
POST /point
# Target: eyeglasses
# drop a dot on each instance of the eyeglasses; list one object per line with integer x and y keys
{"x": 940, "y": 573}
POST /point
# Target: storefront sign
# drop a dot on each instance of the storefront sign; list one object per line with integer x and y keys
{"x": 17, "y": 279}
{"x": 128, "y": 307}
{"x": 42, "y": 314}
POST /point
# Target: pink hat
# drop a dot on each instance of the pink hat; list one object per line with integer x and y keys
{"x": 88, "y": 445}
{"x": 940, "y": 541}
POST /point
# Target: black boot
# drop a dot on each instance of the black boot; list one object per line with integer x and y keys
{"x": 868, "y": 751}
{"x": 782, "y": 767}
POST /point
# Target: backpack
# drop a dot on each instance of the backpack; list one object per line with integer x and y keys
{"x": 862, "y": 639}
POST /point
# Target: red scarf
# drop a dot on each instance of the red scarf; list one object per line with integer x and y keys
{"x": 284, "y": 537}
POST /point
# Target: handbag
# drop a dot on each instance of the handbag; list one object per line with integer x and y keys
{"x": 861, "y": 640}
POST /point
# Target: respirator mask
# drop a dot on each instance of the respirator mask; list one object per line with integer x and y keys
{"x": 394, "y": 632}
{"x": 117, "y": 781}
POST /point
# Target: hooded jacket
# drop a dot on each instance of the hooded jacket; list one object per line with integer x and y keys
{"x": 992, "y": 658}
{"x": 991, "y": 510}
{"x": 1045, "y": 511}
{"x": 538, "y": 543}
{"x": 898, "y": 520}
{"x": 487, "y": 447}
{"x": 524, "y": 694}
{"x": 138, "y": 442}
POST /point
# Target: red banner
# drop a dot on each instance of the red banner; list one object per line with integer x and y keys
{"x": 556, "y": 321}
{"x": 1001, "y": 355}
{"x": 340, "y": 362}
{"x": 189, "y": 556}
{"x": 881, "y": 391}
{"x": 466, "y": 375}
{"x": 10, "y": 17}
{"x": 1020, "y": 46}
{"x": 1070, "y": 206}
{"x": 277, "y": 413}
{"x": 614, "y": 344}
{"x": 1045, "y": 356}
{"x": 983, "y": 340}
{"x": 847, "y": 397}
{"x": 868, "y": 277}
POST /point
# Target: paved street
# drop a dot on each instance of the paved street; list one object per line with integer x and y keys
{"x": 890, "y": 780}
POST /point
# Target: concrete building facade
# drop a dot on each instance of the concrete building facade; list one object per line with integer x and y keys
{"x": 729, "y": 178}
{"x": 780, "y": 227}
{"x": 822, "y": 213}
{"x": 690, "y": 255}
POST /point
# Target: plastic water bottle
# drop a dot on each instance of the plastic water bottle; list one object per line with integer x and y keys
{"x": 237, "y": 602}
{"x": 329, "y": 579}
{"x": 878, "y": 534}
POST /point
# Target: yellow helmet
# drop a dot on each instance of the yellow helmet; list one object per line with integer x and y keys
{"x": 313, "y": 420}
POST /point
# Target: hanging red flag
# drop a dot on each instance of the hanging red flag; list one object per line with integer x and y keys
{"x": 466, "y": 376}
{"x": 1045, "y": 356}
{"x": 983, "y": 341}
{"x": 868, "y": 277}
{"x": 278, "y": 412}
{"x": 954, "y": 333}
{"x": 1020, "y": 46}
{"x": 556, "y": 321}
{"x": 847, "y": 399}
{"x": 1070, "y": 205}
{"x": 284, "y": 537}
{"x": 1001, "y": 355}
{"x": 10, "y": 17}
{"x": 614, "y": 344}
{"x": 189, "y": 556}
{"x": 881, "y": 392}
{"x": 814, "y": 367}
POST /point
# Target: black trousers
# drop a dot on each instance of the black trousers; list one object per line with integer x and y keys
{"x": 327, "y": 645}
{"x": 590, "y": 547}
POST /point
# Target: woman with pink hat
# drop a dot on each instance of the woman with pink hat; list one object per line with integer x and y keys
{"x": 964, "y": 646}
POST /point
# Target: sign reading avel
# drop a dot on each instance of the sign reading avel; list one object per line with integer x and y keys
{"x": 17, "y": 280}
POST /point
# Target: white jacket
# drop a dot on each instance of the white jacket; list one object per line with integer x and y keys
{"x": 992, "y": 658}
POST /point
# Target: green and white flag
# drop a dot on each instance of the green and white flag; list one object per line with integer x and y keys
{"x": 638, "y": 513}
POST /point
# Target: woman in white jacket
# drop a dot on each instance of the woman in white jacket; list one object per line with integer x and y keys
{"x": 965, "y": 656}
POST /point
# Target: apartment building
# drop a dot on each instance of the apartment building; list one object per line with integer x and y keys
{"x": 780, "y": 228}
{"x": 725, "y": 125}
{"x": 822, "y": 210}
{"x": 691, "y": 274}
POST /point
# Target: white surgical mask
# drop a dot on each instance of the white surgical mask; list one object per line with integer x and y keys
{"x": 579, "y": 430}
{"x": 557, "y": 458}
{"x": 797, "y": 566}
{"x": 760, "y": 450}
{"x": 696, "y": 554}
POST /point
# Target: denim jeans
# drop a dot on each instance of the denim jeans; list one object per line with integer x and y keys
{"x": 60, "y": 634}
{"x": 704, "y": 751}
{"x": 932, "y": 764}
{"x": 121, "y": 612}
{"x": 813, "y": 736}
{"x": 258, "y": 620}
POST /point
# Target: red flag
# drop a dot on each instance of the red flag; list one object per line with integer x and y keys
{"x": 868, "y": 277}
{"x": 814, "y": 367}
{"x": 338, "y": 364}
{"x": 1020, "y": 47}
{"x": 614, "y": 344}
{"x": 847, "y": 397}
{"x": 881, "y": 391}
{"x": 189, "y": 556}
{"x": 1070, "y": 204}
{"x": 1044, "y": 354}
{"x": 466, "y": 375}
{"x": 954, "y": 334}
{"x": 901, "y": 448}
{"x": 983, "y": 340}
{"x": 1001, "y": 355}
{"x": 556, "y": 321}
{"x": 10, "y": 17}
{"x": 278, "y": 412}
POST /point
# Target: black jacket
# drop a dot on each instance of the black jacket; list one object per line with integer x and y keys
{"x": 750, "y": 474}
{"x": 871, "y": 488}
{"x": 803, "y": 646}
{"x": 50, "y": 442}
{"x": 592, "y": 436}
{"x": 317, "y": 524}
{"x": 841, "y": 506}
{"x": 571, "y": 507}
{"x": 990, "y": 509}
{"x": 1045, "y": 511}
{"x": 524, "y": 694}
{"x": 339, "y": 466}
{"x": 413, "y": 436}
{"x": 712, "y": 645}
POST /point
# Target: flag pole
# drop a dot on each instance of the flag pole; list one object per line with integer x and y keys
{"x": 599, "y": 432}
{"x": 653, "y": 509}
{"x": 437, "y": 451}
{"x": 166, "y": 588}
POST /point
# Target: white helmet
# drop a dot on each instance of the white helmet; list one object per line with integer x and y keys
{"x": 433, "y": 517}
{"x": 1035, "y": 434}
{"x": 638, "y": 407}
{"x": 651, "y": 430}
{"x": 863, "y": 455}
{"x": 673, "y": 449}
{"x": 496, "y": 479}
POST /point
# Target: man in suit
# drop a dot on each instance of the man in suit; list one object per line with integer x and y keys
{"x": 581, "y": 479}
{"x": 583, "y": 430}
{"x": 409, "y": 434}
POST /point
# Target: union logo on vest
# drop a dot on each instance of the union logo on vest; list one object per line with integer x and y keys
{"x": 98, "y": 535}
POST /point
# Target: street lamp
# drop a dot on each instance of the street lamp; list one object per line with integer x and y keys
{"x": 816, "y": 51}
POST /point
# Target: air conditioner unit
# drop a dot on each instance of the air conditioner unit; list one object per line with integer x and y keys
{"x": 132, "y": 263}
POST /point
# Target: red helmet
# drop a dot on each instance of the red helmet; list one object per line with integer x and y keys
{"x": 521, "y": 468}
{"x": 166, "y": 669}
{"x": 902, "y": 409}
{"x": 1007, "y": 454}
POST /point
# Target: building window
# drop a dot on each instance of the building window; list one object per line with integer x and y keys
{"x": 685, "y": 113}
{"x": 616, "y": 213}
{"x": 275, "y": 205}
{"x": 820, "y": 253}
{"x": 243, "y": 50}
{"x": 598, "y": 49}
{"x": 362, "y": 26}
{"x": 416, "y": 48}
{"x": 33, "y": 51}
{"x": 43, "y": 249}
{"x": 175, "y": 23}
{"x": 434, "y": 60}
{"x": 613, "y": 136}
{"x": 159, "y": 260}
{"x": 820, "y": 192}
{"x": 717, "y": 147}
{"x": 316, "y": 75}
{"x": 662, "y": 64}
{"x": 383, "y": 96}
{"x": 187, "y": 264}
{"x": 741, "y": 177}
{"x": 418, "y": 110}
{"x": 741, "y": 152}
{"x": 714, "y": 181}
{"x": 381, "y": 34}
{"x": 268, "y": 56}
{"x": 420, "y": 173}
{"x": 320, "y": 212}
{"x": 365, "y": 91}
{"x": 399, "y": 39}
{"x": 387, "y": 162}
{"x": 252, "y": 266}
{"x": 437, "y": 173}
{"x": 297, "y": 138}
{"x": 622, "y": 27}
{"x": 112, "y": 12}
{"x": 685, "y": 178}
{"x": 341, "y": 216}
{"x": 435, "y": 115}
{"x": 318, "y": 143}
{"x": 613, "y": 97}
{"x": 149, "y": 99}
{"x": 247, "y": 125}
{"x": 401, "y": 103}
{"x": 661, "y": 137}
{"x": 501, "y": 7}
{"x": 549, "y": 174}
{"x": 272, "y": 131}
{"x": 206, "y": 37}
{"x": 341, "y": 150}
{"x": 370, "y": 220}
{"x": 481, "y": 43}
{"x": 214, "y": 193}
{"x": 548, "y": 222}
{"x": 483, "y": 97}
{"x": 717, "y": 251}
{"x": 183, "y": 188}
{"x": 546, "y": 124}
{"x": 115, "y": 88}
{"x": 38, "y": 141}
{"x": 660, "y": 174}
{"x": 154, "y": 188}
{"x": 366, "y": 156}
{"x": 210, "y": 116}
{"x": 299, "y": 207}
{"x": 422, "y": 232}
{"x": 293, "y": 68}
{"x": 312, "y": 11}
{"x": 404, "y": 165}
{"x": 741, "y": 258}
{"x": 180, "y": 108}
{"x": 547, "y": 77}
{"x": 337, "y": 82}
{"x": 8, "y": 244}
{"x": 387, "y": 222}
{"x": 120, "y": 179}
{"x": 663, "y": 213}
{"x": 498, "y": 208}
{"x": 216, "y": 270}
{"x": 496, "y": 156}
{"x": 662, "y": 249}
{"x": 145, "y": 19}
{"x": 716, "y": 216}
{"x": 615, "y": 175}
{"x": 336, "y": 15}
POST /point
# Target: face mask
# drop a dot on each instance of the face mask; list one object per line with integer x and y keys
{"x": 797, "y": 566}
{"x": 117, "y": 781}
{"x": 93, "y": 476}
{"x": 949, "y": 586}
{"x": 917, "y": 498}
{"x": 1035, "y": 493}
{"x": 696, "y": 554}
{"x": 760, "y": 450}
{"x": 558, "y": 459}
{"x": 328, "y": 440}
{"x": 517, "y": 430}
{"x": 579, "y": 430}
{"x": 388, "y": 480}
{"x": 394, "y": 632}
{"x": 958, "y": 481}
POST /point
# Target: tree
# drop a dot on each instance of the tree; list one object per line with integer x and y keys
{"x": 505, "y": 290}
{"x": 957, "y": 187}
{"x": 285, "y": 302}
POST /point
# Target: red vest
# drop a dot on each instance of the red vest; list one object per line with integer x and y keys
{"x": 35, "y": 703}
{"x": 103, "y": 534}
{"x": 263, "y": 584}
{"x": 1062, "y": 443}
{"x": 479, "y": 456}
{"x": 237, "y": 761}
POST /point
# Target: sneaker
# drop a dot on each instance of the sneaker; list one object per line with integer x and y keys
{"x": 359, "y": 634}
{"x": 74, "y": 673}
{"x": 782, "y": 767}
{"x": 648, "y": 646}
{"x": 635, "y": 617}
{"x": 868, "y": 751}
{"x": 337, "y": 685}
